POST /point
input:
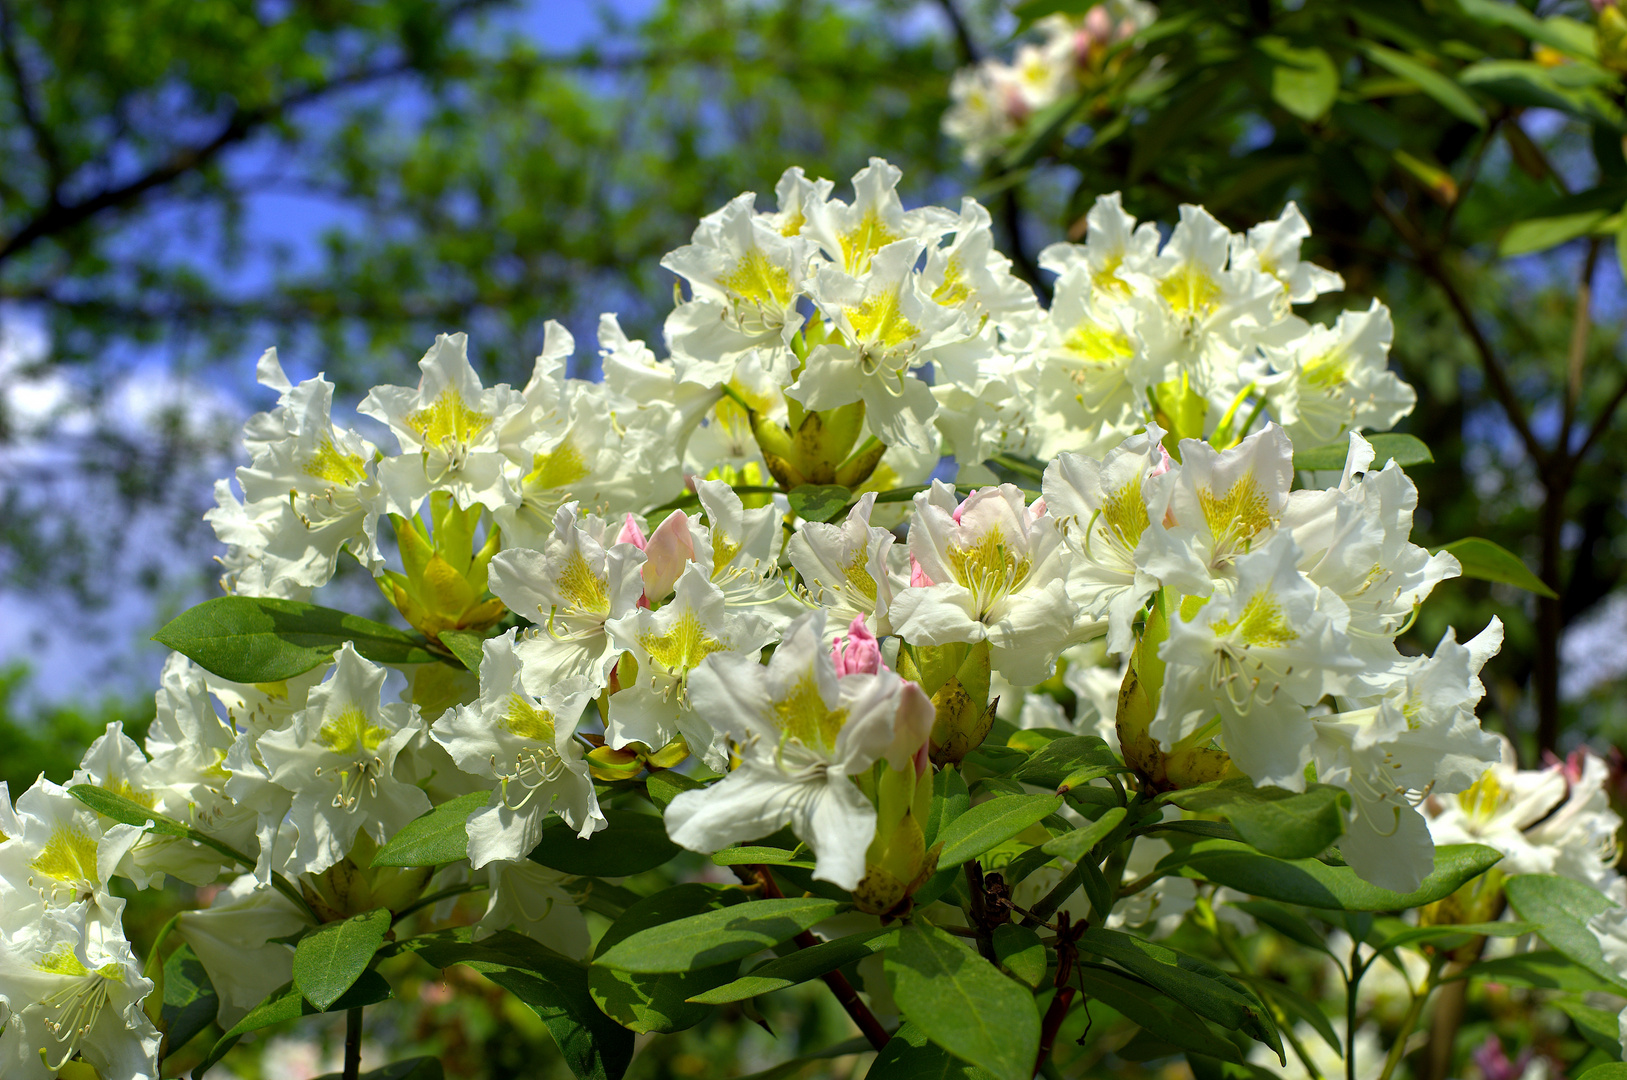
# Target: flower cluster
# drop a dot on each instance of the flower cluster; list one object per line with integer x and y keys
{"x": 741, "y": 567}
{"x": 993, "y": 100}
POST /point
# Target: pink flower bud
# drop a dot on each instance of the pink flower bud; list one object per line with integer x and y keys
{"x": 670, "y": 549}
{"x": 918, "y": 578}
{"x": 858, "y": 653}
{"x": 1165, "y": 463}
{"x": 632, "y": 534}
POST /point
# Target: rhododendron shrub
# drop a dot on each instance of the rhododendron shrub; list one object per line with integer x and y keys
{"x": 972, "y": 645}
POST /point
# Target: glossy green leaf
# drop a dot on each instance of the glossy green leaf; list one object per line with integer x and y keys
{"x": 468, "y": 646}
{"x": 1467, "y": 931}
{"x": 818, "y": 502}
{"x": 1599, "y": 1027}
{"x": 1287, "y": 824}
{"x": 950, "y": 799}
{"x": 329, "y": 959}
{"x": 1298, "y": 1008}
{"x": 664, "y": 785}
{"x": 1075, "y": 845}
{"x": 767, "y": 856}
{"x": 190, "y": 1001}
{"x": 659, "y": 1003}
{"x": 1542, "y": 970}
{"x": 256, "y": 640}
{"x": 286, "y": 1003}
{"x": 438, "y": 837}
{"x": 716, "y": 937}
{"x": 963, "y": 1003}
{"x": 1447, "y": 94}
{"x": 1284, "y": 922}
{"x": 1303, "y": 79}
{"x": 1200, "y": 986}
{"x": 991, "y": 823}
{"x": 1311, "y": 883}
{"x": 1404, "y": 450}
{"x": 1154, "y": 1010}
{"x": 1490, "y": 562}
{"x": 1560, "y": 909}
{"x": 556, "y": 989}
{"x": 127, "y": 811}
{"x": 1612, "y": 1071}
{"x": 1059, "y": 759}
{"x": 910, "y": 1055}
{"x": 632, "y": 844}
{"x": 798, "y": 967}
{"x": 1565, "y": 35}
{"x": 1022, "y": 953}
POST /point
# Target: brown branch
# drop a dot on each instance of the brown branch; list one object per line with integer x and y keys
{"x": 1602, "y": 422}
{"x": 1430, "y": 263}
{"x": 57, "y": 217}
{"x": 27, "y": 107}
{"x": 1581, "y": 326}
{"x": 846, "y": 996}
{"x": 969, "y": 53}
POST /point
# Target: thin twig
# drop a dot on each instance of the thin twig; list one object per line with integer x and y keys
{"x": 846, "y": 996}
{"x": 353, "y": 1044}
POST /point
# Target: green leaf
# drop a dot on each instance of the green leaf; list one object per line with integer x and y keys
{"x": 799, "y": 967}
{"x": 1491, "y": 562}
{"x": 1059, "y": 759}
{"x": 632, "y": 844}
{"x": 1612, "y": 1071}
{"x": 1154, "y": 1010}
{"x": 1310, "y": 883}
{"x": 1284, "y": 922}
{"x": 468, "y": 646}
{"x": 716, "y": 937}
{"x": 663, "y": 786}
{"x": 1566, "y": 218}
{"x": 1287, "y": 824}
{"x": 1560, "y": 908}
{"x": 258, "y": 639}
{"x": 659, "y": 1003}
{"x": 1529, "y": 84}
{"x": 795, "y": 1067}
{"x": 1556, "y": 33}
{"x": 950, "y": 800}
{"x": 190, "y": 1001}
{"x": 962, "y": 1003}
{"x": 419, "y": 1068}
{"x": 330, "y": 959}
{"x": 1022, "y": 953}
{"x": 128, "y": 812}
{"x": 910, "y": 1055}
{"x": 1201, "y": 987}
{"x": 1447, "y": 94}
{"x": 1303, "y": 80}
{"x": 1597, "y": 1026}
{"x": 1466, "y": 931}
{"x": 1075, "y": 845}
{"x": 991, "y": 823}
{"x": 1404, "y": 450}
{"x": 1296, "y": 1006}
{"x": 287, "y": 1003}
{"x": 818, "y": 502}
{"x": 436, "y": 838}
{"x": 1542, "y": 970}
{"x": 768, "y": 856}
{"x": 556, "y": 989}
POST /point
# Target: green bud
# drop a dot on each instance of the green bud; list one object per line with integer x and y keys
{"x": 443, "y": 581}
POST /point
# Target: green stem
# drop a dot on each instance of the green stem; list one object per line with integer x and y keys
{"x": 353, "y": 1044}
{"x": 1351, "y": 983}
{"x": 1410, "y": 1021}
{"x": 1211, "y": 922}
{"x": 436, "y": 897}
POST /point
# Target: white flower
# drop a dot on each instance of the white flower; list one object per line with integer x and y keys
{"x": 1273, "y": 248}
{"x": 1249, "y": 663}
{"x": 1610, "y": 927}
{"x": 801, "y": 733}
{"x": 844, "y": 568}
{"x": 448, "y": 428}
{"x": 337, "y": 757}
{"x": 527, "y": 744}
{"x": 852, "y": 235}
{"x": 1333, "y": 380}
{"x": 70, "y": 986}
{"x": 1102, "y": 510}
{"x": 994, "y": 569}
{"x": 530, "y": 898}
{"x": 570, "y": 590}
{"x": 233, "y": 939}
{"x": 59, "y": 853}
{"x": 1218, "y": 505}
{"x": 666, "y": 645}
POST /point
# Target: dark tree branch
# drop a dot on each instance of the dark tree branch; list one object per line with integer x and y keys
{"x": 969, "y": 52}
{"x": 27, "y": 106}
{"x": 56, "y": 217}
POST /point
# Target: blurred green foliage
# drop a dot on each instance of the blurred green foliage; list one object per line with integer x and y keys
{"x": 50, "y": 741}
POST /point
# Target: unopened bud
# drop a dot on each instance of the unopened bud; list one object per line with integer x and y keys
{"x": 858, "y": 653}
